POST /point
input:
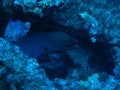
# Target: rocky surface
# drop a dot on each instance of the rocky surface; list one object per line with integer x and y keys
{"x": 65, "y": 45}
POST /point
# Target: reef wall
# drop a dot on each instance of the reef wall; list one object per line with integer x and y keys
{"x": 59, "y": 45}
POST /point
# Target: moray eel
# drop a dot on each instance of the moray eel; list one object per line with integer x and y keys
{"x": 36, "y": 44}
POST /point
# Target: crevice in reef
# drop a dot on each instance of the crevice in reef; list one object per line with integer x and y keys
{"x": 101, "y": 61}
{"x": 57, "y": 64}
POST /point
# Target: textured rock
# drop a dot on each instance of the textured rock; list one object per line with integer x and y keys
{"x": 23, "y": 70}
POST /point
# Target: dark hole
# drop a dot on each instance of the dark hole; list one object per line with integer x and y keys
{"x": 100, "y": 61}
{"x": 56, "y": 67}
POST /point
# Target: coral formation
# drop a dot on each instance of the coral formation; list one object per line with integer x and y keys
{"x": 16, "y": 30}
{"x": 59, "y": 45}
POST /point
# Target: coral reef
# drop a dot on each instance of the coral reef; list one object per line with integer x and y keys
{"x": 59, "y": 45}
{"x": 16, "y": 30}
{"x": 22, "y": 68}
{"x": 35, "y": 6}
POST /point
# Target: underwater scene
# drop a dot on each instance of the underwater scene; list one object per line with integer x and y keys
{"x": 59, "y": 44}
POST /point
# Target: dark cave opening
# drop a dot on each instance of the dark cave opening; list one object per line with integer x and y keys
{"x": 56, "y": 67}
{"x": 54, "y": 61}
{"x": 99, "y": 61}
